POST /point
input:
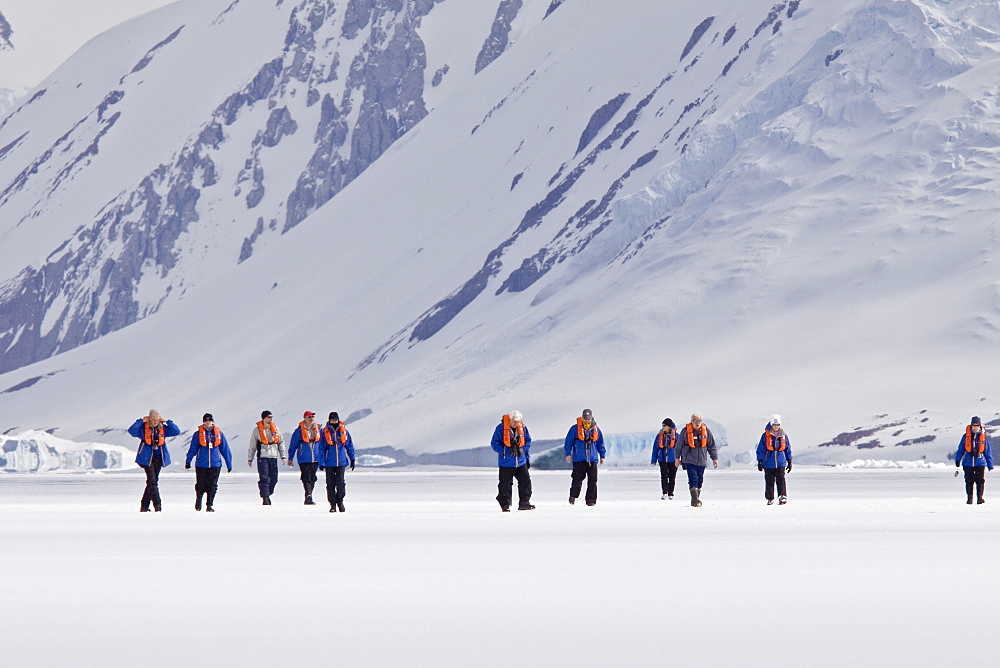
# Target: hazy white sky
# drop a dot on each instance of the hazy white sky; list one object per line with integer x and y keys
{"x": 47, "y": 32}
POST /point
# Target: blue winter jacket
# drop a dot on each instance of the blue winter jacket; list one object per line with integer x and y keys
{"x": 209, "y": 457}
{"x": 773, "y": 459}
{"x": 966, "y": 459}
{"x": 589, "y": 450}
{"x": 338, "y": 454}
{"x": 145, "y": 454}
{"x": 666, "y": 453}
{"x": 308, "y": 451}
{"x": 505, "y": 455}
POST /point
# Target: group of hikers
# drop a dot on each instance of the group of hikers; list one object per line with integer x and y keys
{"x": 330, "y": 448}
{"x": 690, "y": 449}
{"x": 327, "y": 448}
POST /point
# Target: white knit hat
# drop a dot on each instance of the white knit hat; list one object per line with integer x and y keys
{"x": 775, "y": 419}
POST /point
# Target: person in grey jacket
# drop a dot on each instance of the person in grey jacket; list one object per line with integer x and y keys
{"x": 267, "y": 445}
{"x": 695, "y": 446}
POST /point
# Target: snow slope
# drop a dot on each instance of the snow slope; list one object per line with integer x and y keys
{"x": 745, "y": 209}
{"x": 40, "y": 34}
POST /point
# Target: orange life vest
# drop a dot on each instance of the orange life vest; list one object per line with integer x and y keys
{"x": 203, "y": 439}
{"x": 148, "y": 434}
{"x": 581, "y": 431}
{"x": 661, "y": 440}
{"x": 262, "y": 430}
{"x": 306, "y": 433}
{"x": 703, "y": 443}
{"x": 782, "y": 441}
{"x": 980, "y": 445}
{"x": 341, "y": 434}
{"x": 506, "y": 432}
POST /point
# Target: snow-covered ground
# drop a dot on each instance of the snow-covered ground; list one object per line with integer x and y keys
{"x": 862, "y": 568}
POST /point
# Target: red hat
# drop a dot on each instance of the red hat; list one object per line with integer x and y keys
{"x": 308, "y": 414}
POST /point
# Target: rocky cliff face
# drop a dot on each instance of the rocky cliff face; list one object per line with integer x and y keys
{"x": 347, "y": 83}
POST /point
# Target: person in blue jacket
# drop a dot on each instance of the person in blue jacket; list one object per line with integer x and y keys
{"x": 336, "y": 453}
{"x": 774, "y": 458}
{"x": 584, "y": 449}
{"x": 208, "y": 449}
{"x": 152, "y": 432}
{"x": 664, "y": 449}
{"x": 974, "y": 455}
{"x": 305, "y": 442}
{"x": 512, "y": 443}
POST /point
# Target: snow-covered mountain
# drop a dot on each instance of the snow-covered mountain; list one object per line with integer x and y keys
{"x": 424, "y": 214}
{"x": 36, "y": 36}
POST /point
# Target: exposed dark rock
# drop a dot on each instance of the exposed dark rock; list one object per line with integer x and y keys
{"x": 553, "y": 6}
{"x": 5, "y": 34}
{"x": 852, "y": 437}
{"x": 699, "y": 31}
{"x": 439, "y": 75}
{"x": 148, "y": 58}
{"x": 920, "y": 439}
{"x": 499, "y": 38}
{"x": 599, "y": 119}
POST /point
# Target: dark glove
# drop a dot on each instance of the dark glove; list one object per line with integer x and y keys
{"x": 187, "y": 465}
{"x": 352, "y": 464}
{"x": 322, "y": 468}
{"x": 789, "y": 467}
{"x": 958, "y": 464}
{"x": 527, "y": 463}
{"x": 229, "y": 470}
{"x": 760, "y": 466}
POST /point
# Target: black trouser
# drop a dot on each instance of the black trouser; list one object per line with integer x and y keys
{"x": 308, "y": 476}
{"x": 583, "y": 470}
{"x": 267, "y": 475}
{"x": 668, "y": 477}
{"x": 772, "y": 476}
{"x": 975, "y": 476}
{"x": 506, "y": 486}
{"x": 207, "y": 481}
{"x": 152, "y": 491}
{"x": 335, "y": 485}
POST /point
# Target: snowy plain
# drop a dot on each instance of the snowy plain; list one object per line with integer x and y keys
{"x": 861, "y": 568}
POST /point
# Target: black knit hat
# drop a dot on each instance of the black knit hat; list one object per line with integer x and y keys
{"x": 667, "y": 422}
{"x": 976, "y": 420}
{"x": 334, "y": 417}
{"x": 206, "y": 417}
{"x": 265, "y": 414}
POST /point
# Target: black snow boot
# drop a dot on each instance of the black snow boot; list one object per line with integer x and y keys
{"x": 309, "y": 501}
{"x": 266, "y": 501}
{"x": 197, "y": 503}
{"x": 340, "y": 507}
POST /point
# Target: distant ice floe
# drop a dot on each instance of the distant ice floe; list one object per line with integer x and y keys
{"x": 39, "y": 451}
{"x": 888, "y": 464}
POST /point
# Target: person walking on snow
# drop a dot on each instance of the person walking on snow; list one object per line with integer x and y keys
{"x": 512, "y": 443}
{"x": 267, "y": 445}
{"x": 774, "y": 458}
{"x": 209, "y": 448}
{"x": 336, "y": 453}
{"x": 664, "y": 451}
{"x": 584, "y": 448}
{"x": 152, "y": 432}
{"x": 974, "y": 455}
{"x": 695, "y": 446}
{"x": 305, "y": 443}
